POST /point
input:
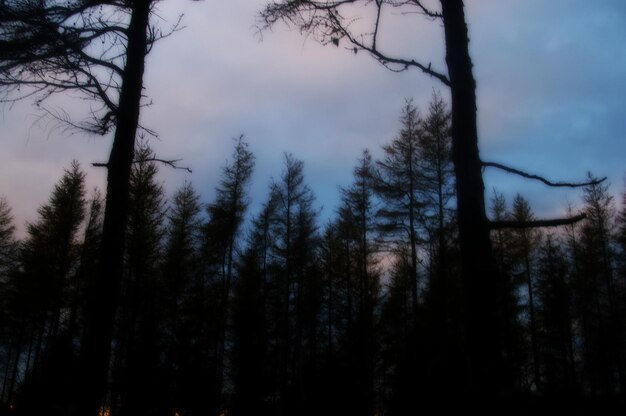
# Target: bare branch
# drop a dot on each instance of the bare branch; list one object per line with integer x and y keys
{"x": 384, "y": 59}
{"x": 425, "y": 10}
{"x": 542, "y": 179}
{"x": 171, "y": 163}
{"x": 323, "y": 19}
{"x": 498, "y": 225}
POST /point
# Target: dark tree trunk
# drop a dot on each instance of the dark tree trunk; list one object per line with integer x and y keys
{"x": 477, "y": 271}
{"x": 96, "y": 347}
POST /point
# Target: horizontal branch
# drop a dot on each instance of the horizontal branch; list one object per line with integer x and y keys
{"x": 542, "y": 179}
{"x": 170, "y": 163}
{"x": 499, "y": 225}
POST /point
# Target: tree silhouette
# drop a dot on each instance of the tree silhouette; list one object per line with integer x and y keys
{"x": 138, "y": 377}
{"x": 525, "y": 243}
{"x": 8, "y": 244}
{"x": 555, "y": 320}
{"x": 398, "y": 185}
{"x": 226, "y": 215}
{"x": 331, "y": 22}
{"x": 48, "y": 258}
{"x": 64, "y": 46}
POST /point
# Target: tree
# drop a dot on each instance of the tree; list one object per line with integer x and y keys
{"x": 61, "y": 46}
{"x": 509, "y": 303}
{"x": 442, "y": 297}
{"x": 597, "y": 290}
{"x": 398, "y": 181}
{"x": 139, "y": 379}
{"x": 181, "y": 277}
{"x": 48, "y": 258}
{"x": 554, "y": 320}
{"x": 437, "y": 189}
{"x": 254, "y": 358}
{"x": 294, "y": 236}
{"x": 51, "y": 250}
{"x": 330, "y": 22}
{"x": 8, "y": 262}
{"x": 524, "y": 243}
{"x": 226, "y": 216}
{"x": 355, "y": 367}
{"x": 283, "y": 244}
{"x": 8, "y": 244}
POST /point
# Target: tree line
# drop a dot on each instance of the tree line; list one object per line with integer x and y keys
{"x": 281, "y": 315}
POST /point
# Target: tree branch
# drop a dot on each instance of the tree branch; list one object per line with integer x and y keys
{"x": 323, "y": 19}
{"x": 386, "y": 60}
{"x": 499, "y": 225}
{"x": 542, "y": 179}
{"x": 170, "y": 163}
{"x": 426, "y": 11}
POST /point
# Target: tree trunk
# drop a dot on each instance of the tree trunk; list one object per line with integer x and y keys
{"x": 96, "y": 347}
{"x": 477, "y": 271}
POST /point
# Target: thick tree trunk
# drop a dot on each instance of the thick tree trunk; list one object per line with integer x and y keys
{"x": 477, "y": 271}
{"x": 96, "y": 347}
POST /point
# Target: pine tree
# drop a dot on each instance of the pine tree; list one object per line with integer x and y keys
{"x": 525, "y": 246}
{"x": 554, "y": 319}
{"x": 254, "y": 337}
{"x": 398, "y": 186}
{"x": 443, "y": 291}
{"x": 596, "y": 292}
{"x": 358, "y": 348}
{"x": 180, "y": 275}
{"x": 437, "y": 187}
{"x": 138, "y": 378}
{"x": 49, "y": 257}
{"x": 88, "y": 265}
{"x": 8, "y": 253}
{"x": 226, "y": 215}
{"x": 294, "y": 242}
{"x": 8, "y": 244}
{"x": 509, "y": 303}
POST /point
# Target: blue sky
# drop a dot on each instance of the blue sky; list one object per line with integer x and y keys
{"x": 551, "y": 79}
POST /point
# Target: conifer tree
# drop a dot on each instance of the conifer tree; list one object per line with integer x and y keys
{"x": 8, "y": 253}
{"x": 8, "y": 243}
{"x": 294, "y": 241}
{"x": 398, "y": 186}
{"x": 524, "y": 249}
{"x": 138, "y": 378}
{"x": 357, "y": 341}
{"x": 254, "y": 354}
{"x": 226, "y": 215}
{"x": 597, "y": 291}
{"x": 509, "y": 303}
{"x": 554, "y": 319}
{"x": 48, "y": 257}
{"x": 180, "y": 274}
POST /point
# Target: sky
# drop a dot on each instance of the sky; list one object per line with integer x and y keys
{"x": 551, "y": 88}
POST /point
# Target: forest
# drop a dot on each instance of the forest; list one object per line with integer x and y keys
{"x": 420, "y": 294}
{"x": 283, "y": 315}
